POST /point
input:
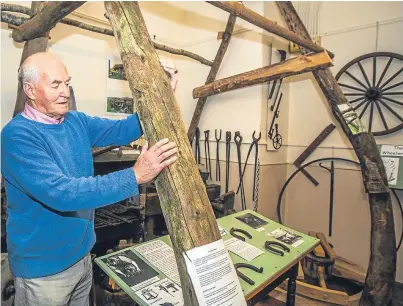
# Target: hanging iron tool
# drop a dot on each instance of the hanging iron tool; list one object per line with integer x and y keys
{"x": 275, "y": 116}
{"x": 197, "y": 145}
{"x": 268, "y": 246}
{"x": 227, "y": 158}
{"x": 207, "y": 150}
{"x": 233, "y": 230}
{"x": 331, "y": 171}
{"x": 282, "y": 59}
{"x": 255, "y": 143}
{"x": 238, "y": 141}
{"x": 217, "y": 165}
{"x": 248, "y": 266}
{"x": 277, "y": 139}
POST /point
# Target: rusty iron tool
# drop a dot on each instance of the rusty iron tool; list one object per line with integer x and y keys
{"x": 217, "y": 167}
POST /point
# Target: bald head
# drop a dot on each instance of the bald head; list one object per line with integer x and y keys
{"x": 36, "y": 64}
{"x": 46, "y": 83}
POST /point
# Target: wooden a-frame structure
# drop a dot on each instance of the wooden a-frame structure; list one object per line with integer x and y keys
{"x": 185, "y": 205}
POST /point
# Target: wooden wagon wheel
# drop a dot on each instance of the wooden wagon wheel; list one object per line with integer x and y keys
{"x": 380, "y": 93}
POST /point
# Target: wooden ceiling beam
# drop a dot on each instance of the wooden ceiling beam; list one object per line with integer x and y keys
{"x": 262, "y": 22}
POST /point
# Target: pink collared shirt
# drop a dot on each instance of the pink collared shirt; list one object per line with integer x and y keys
{"x": 32, "y": 114}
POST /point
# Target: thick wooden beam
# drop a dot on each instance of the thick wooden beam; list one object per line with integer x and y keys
{"x": 32, "y": 46}
{"x": 378, "y": 288}
{"x": 294, "y": 66}
{"x": 184, "y": 201}
{"x": 17, "y": 21}
{"x": 262, "y": 22}
{"x": 45, "y": 20}
{"x": 212, "y": 74}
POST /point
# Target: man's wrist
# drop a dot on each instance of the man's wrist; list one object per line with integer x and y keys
{"x": 138, "y": 178}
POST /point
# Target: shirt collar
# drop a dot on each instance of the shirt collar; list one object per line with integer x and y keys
{"x": 35, "y": 115}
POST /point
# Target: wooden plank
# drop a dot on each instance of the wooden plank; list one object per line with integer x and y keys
{"x": 262, "y": 22}
{"x": 212, "y": 74}
{"x": 347, "y": 269}
{"x": 314, "y": 144}
{"x": 294, "y": 66}
{"x": 184, "y": 202}
{"x": 326, "y": 246}
{"x": 318, "y": 251}
{"x": 319, "y": 293}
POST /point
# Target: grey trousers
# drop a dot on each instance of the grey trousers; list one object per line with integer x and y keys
{"x": 70, "y": 287}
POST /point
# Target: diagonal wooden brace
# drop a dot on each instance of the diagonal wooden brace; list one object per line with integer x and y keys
{"x": 212, "y": 74}
{"x": 280, "y": 70}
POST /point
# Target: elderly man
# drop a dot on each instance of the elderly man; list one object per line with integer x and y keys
{"x": 52, "y": 193}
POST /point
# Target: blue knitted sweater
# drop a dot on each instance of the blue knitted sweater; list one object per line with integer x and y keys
{"x": 51, "y": 188}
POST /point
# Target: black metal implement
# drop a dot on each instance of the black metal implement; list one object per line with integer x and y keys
{"x": 268, "y": 246}
{"x": 233, "y": 230}
{"x": 238, "y": 141}
{"x": 207, "y": 150}
{"x": 255, "y": 143}
{"x": 247, "y": 266}
{"x": 331, "y": 171}
{"x": 277, "y": 139}
{"x": 217, "y": 168}
{"x": 275, "y": 116}
{"x": 197, "y": 145}
{"x": 227, "y": 159}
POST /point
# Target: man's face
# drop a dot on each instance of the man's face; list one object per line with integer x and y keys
{"x": 51, "y": 94}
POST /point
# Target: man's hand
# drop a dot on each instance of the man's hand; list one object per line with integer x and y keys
{"x": 152, "y": 161}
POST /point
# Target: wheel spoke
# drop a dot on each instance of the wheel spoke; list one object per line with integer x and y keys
{"x": 396, "y": 93}
{"x": 371, "y": 115}
{"x": 355, "y": 79}
{"x": 356, "y": 100}
{"x": 391, "y": 110}
{"x": 352, "y": 87}
{"x": 393, "y": 101}
{"x": 381, "y": 114}
{"x": 353, "y": 94}
{"x": 359, "y": 105}
{"x": 384, "y": 72}
{"x": 363, "y": 111}
{"x": 364, "y": 74}
{"x": 391, "y": 78}
{"x": 393, "y": 86}
{"x": 374, "y": 71}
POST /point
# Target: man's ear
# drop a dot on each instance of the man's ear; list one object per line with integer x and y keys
{"x": 29, "y": 90}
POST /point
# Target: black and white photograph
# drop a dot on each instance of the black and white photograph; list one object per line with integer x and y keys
{"x": 162, "y": 293}
{"x": 286, "y": 237}
{"x": 252, "y": 220}
{"x": 130, "y": 268}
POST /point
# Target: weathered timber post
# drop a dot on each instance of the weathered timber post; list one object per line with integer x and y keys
{"x": 184, "y": 202}
{"x": 378, "y": 289}
{"x": 32, "y": 46}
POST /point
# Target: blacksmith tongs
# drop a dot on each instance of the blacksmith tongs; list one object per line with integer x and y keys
{"x": 268, "y": 246}
{"x": 233, "y": 230}
{"x": 248, "y": 266}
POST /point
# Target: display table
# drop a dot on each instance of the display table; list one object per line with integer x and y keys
{"x": 158, "y": 279}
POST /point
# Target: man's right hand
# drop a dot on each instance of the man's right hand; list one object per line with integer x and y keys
{"x": 152, "y": 161}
